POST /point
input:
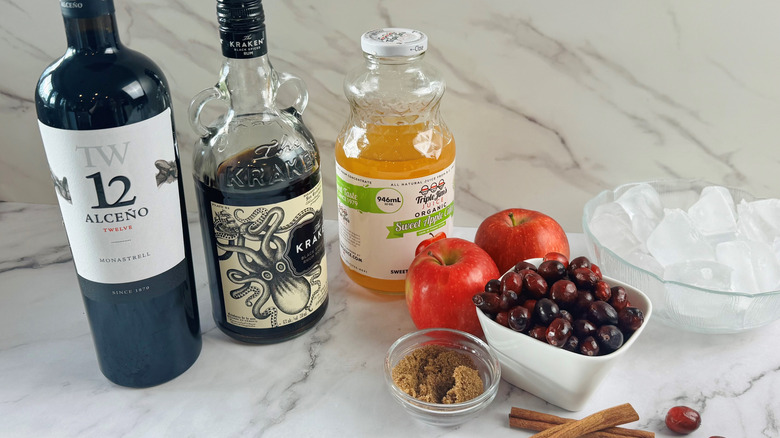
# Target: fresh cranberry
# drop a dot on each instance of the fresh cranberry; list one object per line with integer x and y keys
{"x": 682, "y": 419}
{"x": 602, "y": 291}
{"x": 557, "y": 256}
{"x": 596, "y": 270}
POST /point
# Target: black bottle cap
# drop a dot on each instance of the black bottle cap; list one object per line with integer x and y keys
{"x": 240, "y": 15}
{"x": 86, "y": 8}
{"x": 241, "y": 28}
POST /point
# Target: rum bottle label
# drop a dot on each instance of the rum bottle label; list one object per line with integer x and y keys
{"x": 271, "y": 260}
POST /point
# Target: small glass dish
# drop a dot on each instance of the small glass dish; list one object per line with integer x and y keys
{"x": 563, "y": 378}
{"x": 439, "y": 414}
{"x": 676, "y": 304}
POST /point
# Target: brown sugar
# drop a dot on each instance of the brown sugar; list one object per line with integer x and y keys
{"x": 436, "y": 374}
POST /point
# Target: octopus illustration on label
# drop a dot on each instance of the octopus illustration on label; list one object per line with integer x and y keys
{"x": 271, "y": 270}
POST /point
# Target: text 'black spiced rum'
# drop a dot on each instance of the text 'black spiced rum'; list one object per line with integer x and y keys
{"x": 257, "y": 175}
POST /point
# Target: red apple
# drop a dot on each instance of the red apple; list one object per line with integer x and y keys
{"x": 516, "y": 234}
{"x": 424, "y": 244}
{"x": 441, "y": 282}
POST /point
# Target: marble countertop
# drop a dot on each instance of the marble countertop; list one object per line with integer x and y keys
{"x": 326, "y": 383}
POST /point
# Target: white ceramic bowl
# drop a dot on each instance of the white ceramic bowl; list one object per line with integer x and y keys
{"x": 439, "y": 414}
{"x": 560, "y": 377}
{"x": 681, "y": 305}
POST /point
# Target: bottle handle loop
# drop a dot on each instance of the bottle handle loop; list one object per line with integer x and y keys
{"x": 302, "y": 100}
{"x": 196, "y": 108}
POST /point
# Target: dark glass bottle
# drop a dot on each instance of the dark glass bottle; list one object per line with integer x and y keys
{"x": 105, "y": 117}
{"x": 257, "y": 176}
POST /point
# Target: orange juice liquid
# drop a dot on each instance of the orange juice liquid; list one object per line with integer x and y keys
{"x": 393, "y": 152}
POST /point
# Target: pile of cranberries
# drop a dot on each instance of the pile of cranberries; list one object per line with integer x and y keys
{"x": 566, "y": 304}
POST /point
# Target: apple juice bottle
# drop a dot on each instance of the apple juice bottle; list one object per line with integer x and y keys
{"x": 395, "y": 160}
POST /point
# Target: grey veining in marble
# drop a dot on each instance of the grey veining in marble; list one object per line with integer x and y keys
{"x": 550, "y": 102}
{"x": 327, "y": 383}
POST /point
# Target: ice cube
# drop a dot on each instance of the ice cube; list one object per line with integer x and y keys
{"x": 646, "y": 262}
{"x": 644, "y": 208}
{"x": 737, "y": 255}
{"x": 766, "y": 268}
{"x": 776, "y": 248}
{"x": 714, "y": 213}
{"x": 676, "y": 239}
{"x": 759, "y": 220}
{"x": 611, "y": 225}
{"x": 706, "y": 274}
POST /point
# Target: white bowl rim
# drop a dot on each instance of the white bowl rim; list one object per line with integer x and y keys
{"x": 586, "y": 230}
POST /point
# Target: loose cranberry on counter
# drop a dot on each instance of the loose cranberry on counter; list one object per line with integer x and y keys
{"x": 682, "y": 419}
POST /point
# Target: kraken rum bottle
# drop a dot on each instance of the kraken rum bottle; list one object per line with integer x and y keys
{"x": 105, "y": 118}
{"x": 257, "y": 176}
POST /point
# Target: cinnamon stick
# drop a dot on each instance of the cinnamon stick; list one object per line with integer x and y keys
{"x": 611, "y": 417}
{"x": 538, "y": 421}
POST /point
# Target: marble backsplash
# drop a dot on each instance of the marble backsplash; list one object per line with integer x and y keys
{"x": 550, "y": 102}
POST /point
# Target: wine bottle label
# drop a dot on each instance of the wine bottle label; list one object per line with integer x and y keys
{"x": 119, "y": 197}
{"x": 271, "y": 260}
{"x": 86, "y": 8}
{"x": 390, "y": 217}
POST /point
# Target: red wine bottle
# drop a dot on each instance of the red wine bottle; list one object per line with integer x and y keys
{"x": 106, "y": 121}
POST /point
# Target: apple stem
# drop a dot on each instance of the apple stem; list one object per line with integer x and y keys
{"x": 441, "y": 262}
{"x": 512, "y": 218}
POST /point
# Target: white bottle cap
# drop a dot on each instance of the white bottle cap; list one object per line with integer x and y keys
{"x": 392, "y": 41}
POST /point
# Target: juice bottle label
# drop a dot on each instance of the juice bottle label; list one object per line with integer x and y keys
{"x": 381, "y": 221}
{"x": 271, "y": 260}
{"x": 117, "y": 192}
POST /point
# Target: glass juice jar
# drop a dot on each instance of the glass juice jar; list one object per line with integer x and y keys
{"x": 395, "y": 160}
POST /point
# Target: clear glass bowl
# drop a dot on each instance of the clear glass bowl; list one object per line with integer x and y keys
{"x": 679, "y": 305}
{"x": 438, "y": 414}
